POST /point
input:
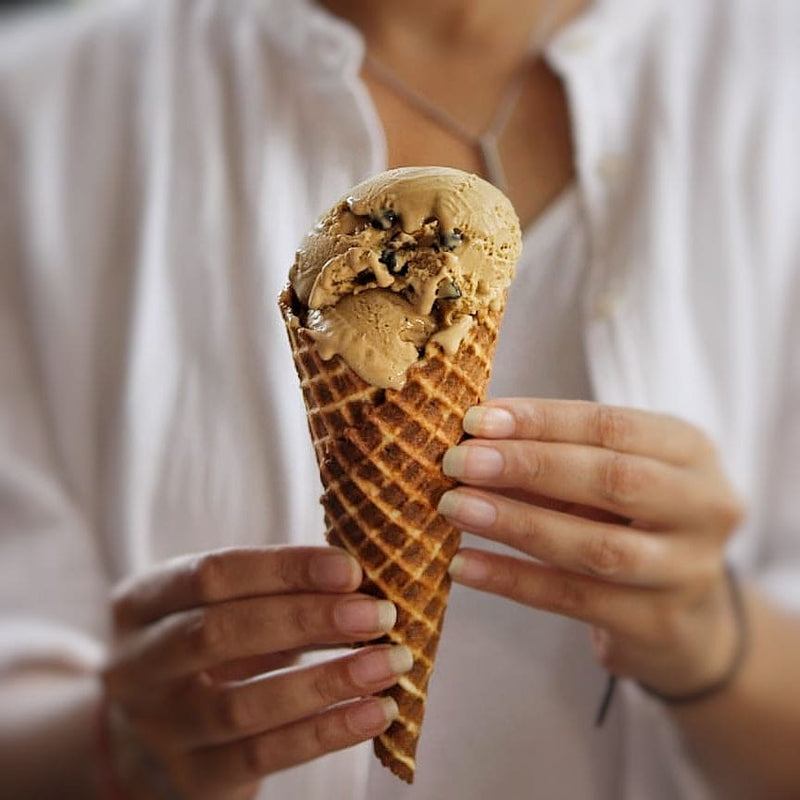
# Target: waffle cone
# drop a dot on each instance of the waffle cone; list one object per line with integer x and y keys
{"x": 380, "y": 454}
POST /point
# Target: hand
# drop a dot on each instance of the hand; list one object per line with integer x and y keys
{"x": 191, "y": 683}
{"x": 626, "y": 513}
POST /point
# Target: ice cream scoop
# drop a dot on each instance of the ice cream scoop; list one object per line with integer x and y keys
{"x": 442, "y": 242}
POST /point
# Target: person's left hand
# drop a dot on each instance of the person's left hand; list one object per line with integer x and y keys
{"x": 626, "y": 514}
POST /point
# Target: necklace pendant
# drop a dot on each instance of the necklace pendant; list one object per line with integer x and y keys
{"x": 492, "y": 161}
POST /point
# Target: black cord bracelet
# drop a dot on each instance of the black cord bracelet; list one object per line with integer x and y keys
{"x": 742, "y": 647}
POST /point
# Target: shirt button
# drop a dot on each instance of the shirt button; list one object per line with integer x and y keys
{"x": 605, "y": 304}
{"x": 578, "y": 42}
{"x": 612, "y": 166}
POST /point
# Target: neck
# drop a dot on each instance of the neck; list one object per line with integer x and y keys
{"x": 454, "y": 27}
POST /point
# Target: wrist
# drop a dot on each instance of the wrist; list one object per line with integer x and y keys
{"x": 726, "y": 653}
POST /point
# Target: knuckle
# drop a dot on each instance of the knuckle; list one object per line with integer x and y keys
{"x": 507, "y": 581}
{"x": 613, "y": 427}
{"x": 233, "y": 714}
{"x": 619, "y": 481}
{"x": 207, "y": 578}
{"x": 604, "y": 557}
{"x": 525, "y": 463}
{"x": 205, "y": 633}
{"x": 326, "y": 686}
{"x": 289, "y": 574}
{"x": 256, "y": 756}
{"x": 568, "y": 597}
{"x": 526, "y": 528}
{"x": 301, "y": 618}
{"x": 537, "y": 421}
{"x": 531, "y": 463}
{"x": 327, "y": 734}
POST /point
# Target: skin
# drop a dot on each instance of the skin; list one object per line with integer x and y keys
{"x": 632, "y": 543}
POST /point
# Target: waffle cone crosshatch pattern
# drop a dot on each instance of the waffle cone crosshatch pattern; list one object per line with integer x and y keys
{"x": 379, "y": 453}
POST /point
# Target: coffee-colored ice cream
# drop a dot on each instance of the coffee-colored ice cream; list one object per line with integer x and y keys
{"x": 408, "y": 260}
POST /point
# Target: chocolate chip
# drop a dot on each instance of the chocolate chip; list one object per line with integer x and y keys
{"x": 364, "y": 277}
{"x": 448, "y": 291}
{"x": 389, "y": 257}
{"x": 385, "y": 220}
{"x": 451, "y": 239}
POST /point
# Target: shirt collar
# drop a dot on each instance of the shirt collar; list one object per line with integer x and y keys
{"x": 607, "y": 27}
{"x": 311, "y": 34}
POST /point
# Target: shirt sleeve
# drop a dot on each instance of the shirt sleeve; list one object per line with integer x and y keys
{"x": 53, "y": 590}
{"x": 53, "y": 596}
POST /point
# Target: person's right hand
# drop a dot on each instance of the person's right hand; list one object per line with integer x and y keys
{"x": 192, "y": 683}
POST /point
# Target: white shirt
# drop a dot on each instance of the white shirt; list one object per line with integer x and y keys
{"x": 159, "y": 162}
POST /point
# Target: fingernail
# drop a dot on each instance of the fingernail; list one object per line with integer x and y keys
{"x": 489, "y": 421}
{"x": 466, "y": 509}
{"x": 472, "y": 462}
{"x": 335, "y": 570}
{"x": 380, "y": 665}
{"x": 372, "y": 716}
{"x": 600, "y": 642}
{"x": 468, "y": 569}
{"x": 365, "y": 616}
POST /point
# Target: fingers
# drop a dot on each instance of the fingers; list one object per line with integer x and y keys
{"x": 210, "y": 714}
{"x": 669, "y": 638}
{"x": 639, "y": 613}
{"x": 624, "y": 430}
{"x": 631, "y": 486}
{"x": 610, "y": 551}
{"x": 203, "y": 638}
{"x": 199, "y": 580}
{"x": 248, "y": 760}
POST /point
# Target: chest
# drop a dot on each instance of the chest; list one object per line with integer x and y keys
{"x": 534, "y": 148}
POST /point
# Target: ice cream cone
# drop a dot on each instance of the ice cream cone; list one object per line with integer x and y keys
{"x": 393, "y": 310}
{"x": 380, "y": 454}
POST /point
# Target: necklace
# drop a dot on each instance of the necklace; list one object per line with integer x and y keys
{"x": 487, "y": 141}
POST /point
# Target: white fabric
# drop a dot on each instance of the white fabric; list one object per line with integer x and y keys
{"x": 159, "y": 162}
{"x": 549, "y": 359}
